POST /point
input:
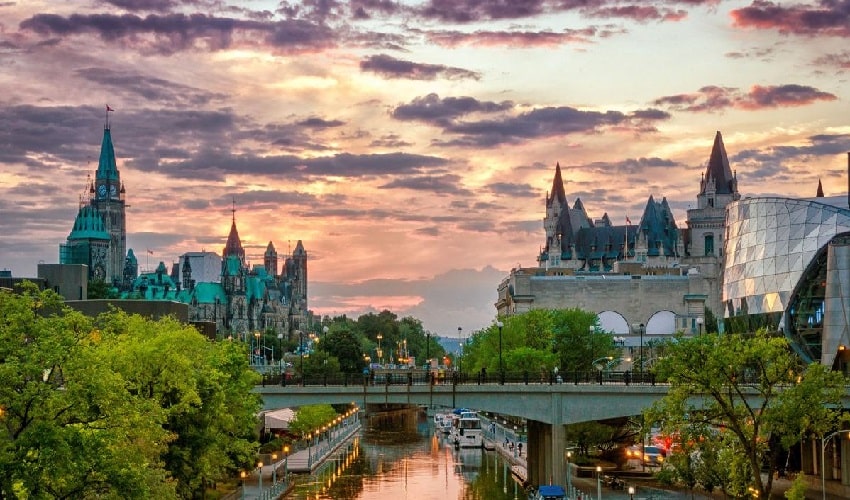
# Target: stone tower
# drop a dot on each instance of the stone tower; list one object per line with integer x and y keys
{"x": 707, "y": 223}
{"x": 107, "y": 198}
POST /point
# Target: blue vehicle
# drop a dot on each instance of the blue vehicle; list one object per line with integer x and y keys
{"x": 550, "y": 492}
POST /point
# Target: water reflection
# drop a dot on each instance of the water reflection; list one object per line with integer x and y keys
{"x": 421, "y": 465}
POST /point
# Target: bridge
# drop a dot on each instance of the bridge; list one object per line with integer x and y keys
{"x": 547, "y": 407}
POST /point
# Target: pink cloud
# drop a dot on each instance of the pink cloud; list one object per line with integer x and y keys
{"x": 829, "y": 17}
{"x": 714, "y": 98}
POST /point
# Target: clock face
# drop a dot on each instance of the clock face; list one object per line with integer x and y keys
{"x": 113, "y": 191}
{"x": 101, "y": 190}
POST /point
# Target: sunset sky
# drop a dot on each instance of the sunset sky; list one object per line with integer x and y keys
{"x": 408, "y": 144}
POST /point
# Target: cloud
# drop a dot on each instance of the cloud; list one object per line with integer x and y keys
{"x": 469, "y": 11}
{"x": 442, "y": 184}
{"x": 840, "y": 60}
{"x": 775, "y": 156}
{"x": 320, "y": 123}
{"x": 432, "y": 109}
{"x": 518, "y": 39}
{"x": 123, "y": 82}
{"x": 538, "y": 123}
{"x": 714, "y": 98}
{"x": 390, "y": 67}
{"x": 826, "y": 18}
{"x": 170, "y": 33}
{"x": 640, "y": 13}
{"x": 134, "y": 5}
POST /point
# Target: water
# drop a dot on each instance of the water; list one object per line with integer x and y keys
{"x": 415, "y": 466}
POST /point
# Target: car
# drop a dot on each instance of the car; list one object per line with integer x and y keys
{"x": 653, "y": 455}
{"x": 633, "y": 451}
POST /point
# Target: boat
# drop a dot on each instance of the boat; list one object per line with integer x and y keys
{"x": 549, "y": 492}
{"x": 466, "y": 431}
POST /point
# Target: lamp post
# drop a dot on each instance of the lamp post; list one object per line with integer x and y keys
{"x": 823, "y": 444}
{"x": 501, "y": 367}
{"x": 428, "y": 349}
{"x": 301, "y": 353}
{"x": 380, "y": 352}
{"x": 569, "y": 475}
{"x": 641, "y": 329}
{"x": 325, "y": 329}
{"x": 459, "y": 339}
{"x": 274, "y": 469}
{"x": 256, "y": 348}
{"x": 242, "y": 484}
{"x": 699, "y": 325}
{"x": 598, "y": 482}
{"x": 285, "y": 463}
{"x": 260, "y": 468}
{"x": 631, "y": 493}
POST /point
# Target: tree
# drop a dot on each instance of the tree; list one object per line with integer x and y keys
{"x": 310, "y": 418}
{"x": 345, "y": 347}
{"x": 203, "y": 388}
{"x": 753, "y": 392}
{"x": 574, "y": 342}
{"x": 70, "y": 429}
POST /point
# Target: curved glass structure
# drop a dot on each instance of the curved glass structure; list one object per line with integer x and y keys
{"x": 776, "y": 265}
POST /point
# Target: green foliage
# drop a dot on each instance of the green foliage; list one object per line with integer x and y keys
{"x": 100, "y": 289}
{"x": 311, "y": 418}
{"x": 797, "y": 491}
{"x": 589, "y": 436}
{"x": 70, "y": 428}
{"x": 119, "y": 406}
{"x": 540, "y": 340}
{"x": 751, "y": 395}
{"x": 345, "y": 347}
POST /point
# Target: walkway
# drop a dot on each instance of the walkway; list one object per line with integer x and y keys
{"x": 271, "y": 481}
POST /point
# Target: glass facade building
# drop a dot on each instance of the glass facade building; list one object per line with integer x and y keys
{"x": 786, "y": 268}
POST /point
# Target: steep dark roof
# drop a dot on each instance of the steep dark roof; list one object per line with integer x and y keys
{"x": 557, "y": 189}
{"x": 234, "y": 244}
{"x": 659, "y": 226}
{"x": 718, "y": 168}
{"x": 820, "y": 190}
{"x": 106, "y": 166}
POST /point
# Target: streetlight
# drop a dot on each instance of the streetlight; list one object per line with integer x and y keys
{"x": 699, "y": 324}
{"x": 428, "y": 348}
{"x": 599, "y": 482}
{"x": 242, "y": 483}
{"x": 823, "y": 443}
{"x": 301, "y": 353}
{"x": 459, "y": 338}
{"x": 501, "y": 368}
{"x": 380, "y": 352}
{"x": 256, "y": 348}
{"x": 641, "y": 329}
{"x": 569, "y": 475}
{"x": 274, "y": 469}
{"x": 325, "y": 329}
{"x": 631, "y": 493}
{"x": 260, "y": 467}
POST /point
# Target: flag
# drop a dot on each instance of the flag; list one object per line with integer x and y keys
{"x": 108, "y": 108}
{"x": 628, "y": 221}
{"x": 150, "y": 251}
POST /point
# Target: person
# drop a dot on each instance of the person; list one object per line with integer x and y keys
{"x": 519, "y": 448}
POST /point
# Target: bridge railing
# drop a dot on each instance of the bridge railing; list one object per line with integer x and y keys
{"x": 424, "y": 377}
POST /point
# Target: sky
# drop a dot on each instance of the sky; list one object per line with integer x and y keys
{"x": 408, "y": 144}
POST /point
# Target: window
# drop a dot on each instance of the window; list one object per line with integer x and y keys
{"x": 709, "y": 244}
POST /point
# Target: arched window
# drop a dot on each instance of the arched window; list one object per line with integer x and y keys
{"x": 709, "y": 244}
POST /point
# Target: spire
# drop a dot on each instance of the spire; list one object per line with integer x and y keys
{"x": 557, "y": 188}
{"x": 718, "y": 168}
{"x": 820, "y": 190}
{"x": 107, "y": 169}
{"x": 234, "y": 244}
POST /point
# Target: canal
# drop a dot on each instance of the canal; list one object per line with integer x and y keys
{"x": 388, "y": 465}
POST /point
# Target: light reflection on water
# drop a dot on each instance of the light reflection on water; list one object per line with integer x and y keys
{"x": 414, "y": 466}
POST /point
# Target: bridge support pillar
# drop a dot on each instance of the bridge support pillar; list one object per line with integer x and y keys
{"x": 547, "y": 445}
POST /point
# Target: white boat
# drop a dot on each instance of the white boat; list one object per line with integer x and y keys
{"x": 466, "y": 431}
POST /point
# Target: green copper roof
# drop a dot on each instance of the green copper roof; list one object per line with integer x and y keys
{"x": 88, "y": 225}
{"x": 232, "y": 265}
{"x": 106, "y": 167}
{"x": 255, "y": 288}
{"x": 206, "y": 293}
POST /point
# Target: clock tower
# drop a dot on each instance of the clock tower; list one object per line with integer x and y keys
{"x": 107, "y": 198}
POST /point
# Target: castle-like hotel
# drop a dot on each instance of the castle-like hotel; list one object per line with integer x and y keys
{"x": 226, "y": 291}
